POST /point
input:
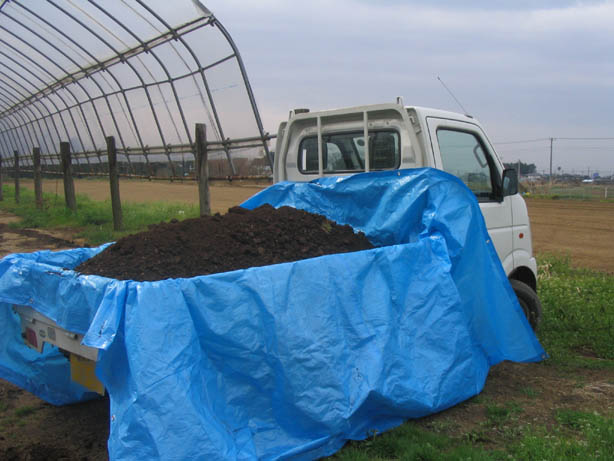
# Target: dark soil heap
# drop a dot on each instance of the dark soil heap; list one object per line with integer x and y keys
{"x": 237, "y": 240}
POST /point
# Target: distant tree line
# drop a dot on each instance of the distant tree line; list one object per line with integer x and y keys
{"x": 525, "y": 168}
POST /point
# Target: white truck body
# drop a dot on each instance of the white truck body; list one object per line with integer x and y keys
{"x": 411, "y": 137}
{"x": 332, "y": 142}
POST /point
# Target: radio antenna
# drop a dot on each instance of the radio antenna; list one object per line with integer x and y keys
{"x": 452, "y": 94}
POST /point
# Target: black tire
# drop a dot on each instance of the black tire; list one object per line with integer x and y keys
{"x": 529, "y": 302}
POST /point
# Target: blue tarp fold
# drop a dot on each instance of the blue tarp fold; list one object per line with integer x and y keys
{"x": 288, "y": 360}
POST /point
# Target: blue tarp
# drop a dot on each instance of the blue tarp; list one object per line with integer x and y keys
{"x": 289, "y": 360}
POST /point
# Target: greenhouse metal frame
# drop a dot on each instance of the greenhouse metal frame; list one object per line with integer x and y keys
{"x": 75, "y": 71}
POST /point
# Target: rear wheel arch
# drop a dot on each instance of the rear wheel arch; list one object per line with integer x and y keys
{"x": 525, "y": 275}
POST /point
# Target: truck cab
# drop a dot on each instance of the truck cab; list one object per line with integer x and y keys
{"x": 392, "y": 136}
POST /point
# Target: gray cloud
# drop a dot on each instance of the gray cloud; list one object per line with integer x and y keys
{"x": 492, "y": 4}
{"x": 526, "y": 69}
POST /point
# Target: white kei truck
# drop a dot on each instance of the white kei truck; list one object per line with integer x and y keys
{"x": 332, "y": 143}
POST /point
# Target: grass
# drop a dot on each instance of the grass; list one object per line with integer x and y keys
{"x": 578, "y": 436}
{"x": 25, "y": 411}
{"x": 578, "y": 321}
{"x": 93, "y": 219}
{"x": 498, "y": 414}
{"x": 597, "y": 192}
{"x": 411, "y": 442}
{"x": 530, "y": 392}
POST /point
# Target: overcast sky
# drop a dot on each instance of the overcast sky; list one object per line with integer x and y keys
{"x": 525, "y": 69}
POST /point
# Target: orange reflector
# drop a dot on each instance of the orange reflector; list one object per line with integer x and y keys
{"x": 521, "y": 235}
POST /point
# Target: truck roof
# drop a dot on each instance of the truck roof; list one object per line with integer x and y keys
{"x": 430, "y": 112}
{"x": 420, "y": 111}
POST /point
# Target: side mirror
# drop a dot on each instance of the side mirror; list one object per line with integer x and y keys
{"x": 510, "y": 182}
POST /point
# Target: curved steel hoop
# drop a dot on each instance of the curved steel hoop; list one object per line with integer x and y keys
{"x": 143, "y": 71}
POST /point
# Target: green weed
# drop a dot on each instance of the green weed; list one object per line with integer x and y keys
{"x": 528, "y": 391}
{"x": 441, "y": 426}
{"x": 580, "y": 436}
{"x": 24, "y": 411}
{"x": 410, "y": 442}
{"x": 7, "y": 423}
{"x": 577, "y": 436}
{"x": 498, "y": 414}
{"x": 578, "y": 313}
{"x": 476, "y": 436}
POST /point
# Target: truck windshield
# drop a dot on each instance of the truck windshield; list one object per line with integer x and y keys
{"x": 345, "y": 152}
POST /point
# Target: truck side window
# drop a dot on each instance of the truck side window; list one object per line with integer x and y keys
{"x": 345, "y": 152}
{"x": 463, "y": 156}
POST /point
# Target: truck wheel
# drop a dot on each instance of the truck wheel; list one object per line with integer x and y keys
{"x": 529, "y": 302}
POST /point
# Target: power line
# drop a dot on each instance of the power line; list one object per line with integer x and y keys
{"x": 586, "y": 139}
{"x": 522, "y": 141}
{"x": 577, "y": 148}
{"x": 557, "y": 139}
{"x": 524, "y": 149}
{"x": 538, "y": 148}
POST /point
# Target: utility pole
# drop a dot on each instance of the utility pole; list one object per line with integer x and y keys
{"x": 518, "y": 171}
{"x": 551, "y": 139}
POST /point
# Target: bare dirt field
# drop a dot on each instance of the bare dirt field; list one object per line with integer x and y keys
{"x": 224, "y": 195}
{"x": 31, "y": 429}
{"x": 584, "y": 229}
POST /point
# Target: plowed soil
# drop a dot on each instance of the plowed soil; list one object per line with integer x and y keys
{"x": 582, "y": 229}
{"x": 220, "y": 243}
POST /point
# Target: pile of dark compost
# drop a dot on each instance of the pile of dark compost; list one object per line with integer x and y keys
{"x": 211, "y": 244}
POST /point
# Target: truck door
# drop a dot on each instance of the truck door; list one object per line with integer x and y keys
{"x": 461, "y": 148}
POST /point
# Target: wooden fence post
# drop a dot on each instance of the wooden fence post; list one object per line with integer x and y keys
{"x": 116, "y": 204}
{"x": 38, "y": 182}
{"x": 202, "y": 169}
{"x": 1, "y": 192}
{"x": 69, "y": 185}
{"x": 16, "y": 176}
